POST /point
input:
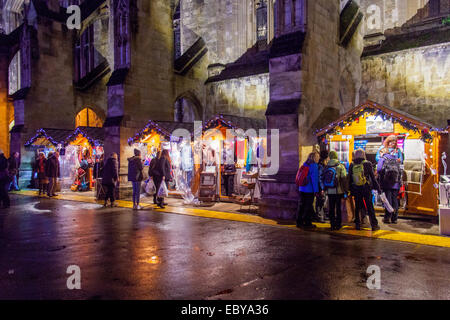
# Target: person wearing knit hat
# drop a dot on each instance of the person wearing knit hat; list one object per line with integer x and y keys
{"x": 361, "y": 180}
{"x": 334, "y": 180}
{"x": 4, "y": 181}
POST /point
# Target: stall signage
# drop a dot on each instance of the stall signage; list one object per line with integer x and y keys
{"x": 375, "y": 124}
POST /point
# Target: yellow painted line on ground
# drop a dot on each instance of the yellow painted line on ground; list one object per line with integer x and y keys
{"x": 421, "y": 239}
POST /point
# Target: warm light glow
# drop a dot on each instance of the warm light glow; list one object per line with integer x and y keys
{"x": 88, "y": 118}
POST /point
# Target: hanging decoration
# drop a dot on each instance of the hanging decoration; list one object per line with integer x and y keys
{"x": 41, "y": 133}
{"x": 371, "y": 108}
{"x": 218, "y": 120}
{"x": 94, "y": 142}
{"x": 151, "y": 125}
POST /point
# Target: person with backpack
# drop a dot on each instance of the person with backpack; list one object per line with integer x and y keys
{"x": 334, "y": 181}
{"x": 307, "y": 181}
{"x": 361, "y": 180}
{"x": 390, "y": 176}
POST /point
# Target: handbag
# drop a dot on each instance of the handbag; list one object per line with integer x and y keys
{"x": 348, "y": 210}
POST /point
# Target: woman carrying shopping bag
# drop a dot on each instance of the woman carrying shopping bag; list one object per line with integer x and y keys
{"x": 161, "y": 176}
{"x": 152, "y": 172}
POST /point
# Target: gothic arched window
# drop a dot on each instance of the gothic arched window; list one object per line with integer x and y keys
{"x": 261, "y": 20}
{"x": 14, "y": 77}
{"x": 84, "y": 53}
{"x": 121, "y": 33}
{"x": 177, "y": 31}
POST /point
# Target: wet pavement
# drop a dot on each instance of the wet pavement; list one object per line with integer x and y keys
{"x": 125, "y": 254}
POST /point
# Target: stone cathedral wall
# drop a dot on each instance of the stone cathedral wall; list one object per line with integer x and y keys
{"x": 416, "y": 81}
{"x": 331, "y": 74}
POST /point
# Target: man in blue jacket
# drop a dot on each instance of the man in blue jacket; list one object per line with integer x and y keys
{"x": 308, "y": 192}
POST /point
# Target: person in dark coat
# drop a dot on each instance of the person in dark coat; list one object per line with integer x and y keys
{"x": 151, "y": 172}
{"x": 52, "y": 173}
{"x": 13, "y": 167}
{"x": 362, "y": 181}
{"x": 110, "y": 177}
{"x": 162, "y": 173}
{"x": 390, "y": 175}
{"x": 135, "y": 176}
{"x": 4, "y": 181}
{"x": 40, "y": 170}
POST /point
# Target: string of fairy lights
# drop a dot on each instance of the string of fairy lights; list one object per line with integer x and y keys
{"x": 373, "y": 109}
{"x": 78, "y": 131}
{"x": 151, "y": 125}
{"x": 42, "y": 133}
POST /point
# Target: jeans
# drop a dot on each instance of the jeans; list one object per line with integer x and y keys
{"x": 136, "y": 192}
{"x": 364, "y": 195}
{"x": 305, "y": 209}
{"x": 13, "y": 184}
{"x": 392, "y": 197}
{"x": 335, "y": 212}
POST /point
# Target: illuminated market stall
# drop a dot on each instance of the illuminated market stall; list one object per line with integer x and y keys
{"x": 47, "y": 140}
{"x": 82, "y": 158}
{"x": 208, "y": 177}
{"x": 368, "y": 125}
{"x": 158, "y": 136}
{"x": 238, "y": 177}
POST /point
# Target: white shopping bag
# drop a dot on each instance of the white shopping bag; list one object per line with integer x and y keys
{"x": 163, "y": 191}
{"x": 386, "y": 203}
{"x": 150, "y": 187}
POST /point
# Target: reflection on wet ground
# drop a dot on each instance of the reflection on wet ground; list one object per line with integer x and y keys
{"x": 124, "y": 254}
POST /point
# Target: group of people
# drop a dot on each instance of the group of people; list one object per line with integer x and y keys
{"x": 160, "y": 170}
{"x": 321, "y": 175}
{"x": 47, "y": 170}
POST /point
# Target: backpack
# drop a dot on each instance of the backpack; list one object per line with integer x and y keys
{"x": 329, "y": 177}
{"x": 301, "y": 179}
{"x": 358, "y": 175}
{"x": 390, "y": 172}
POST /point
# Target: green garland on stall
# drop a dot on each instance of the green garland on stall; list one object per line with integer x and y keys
{"x": 425, "y": 134}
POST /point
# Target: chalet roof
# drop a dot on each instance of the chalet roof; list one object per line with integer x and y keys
{"x": 395, "y": 114}
{"x": 95, "y": 135}
{"x": 54, "y": 136}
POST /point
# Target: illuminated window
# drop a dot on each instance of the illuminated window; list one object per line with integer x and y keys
{"x": 14, "y": 74}
{"x": 88, "y": 118}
